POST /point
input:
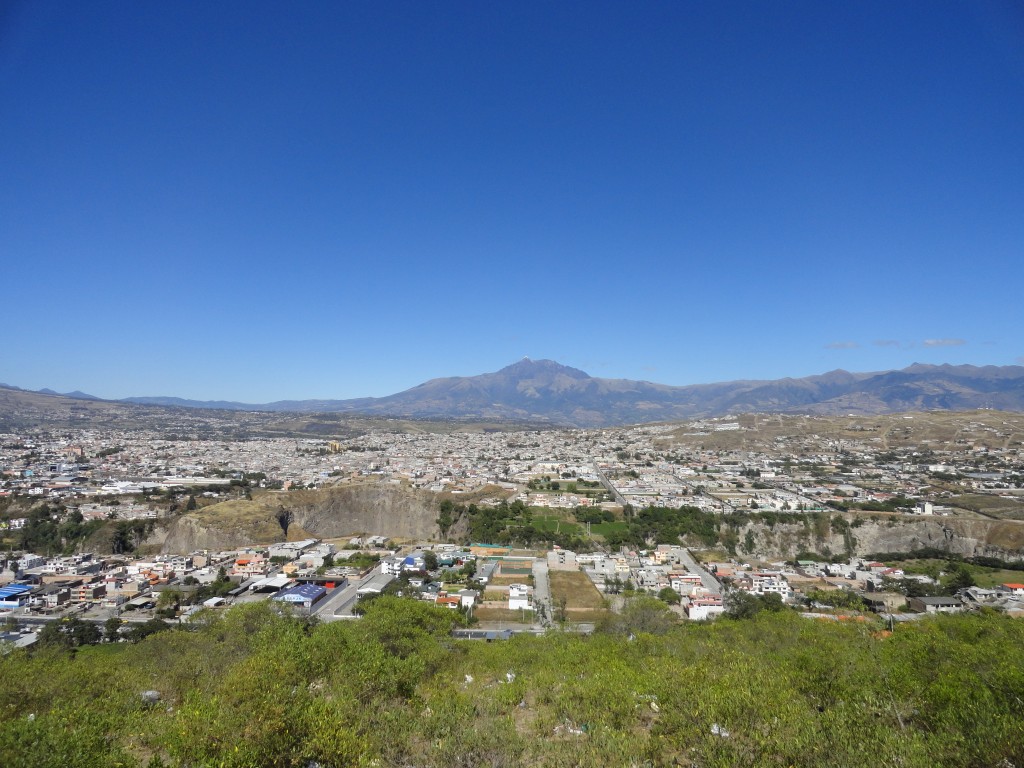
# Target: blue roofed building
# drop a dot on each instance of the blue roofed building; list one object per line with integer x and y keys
{"x": 305, "y": 595}
{"x": 14, "y": 596}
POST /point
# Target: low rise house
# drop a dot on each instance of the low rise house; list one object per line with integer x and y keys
{"x": 250, "y": 566}
{"x": 485, "y": 572}
{"x": 448, "y": 601}
{"x": 520, "y": 597}
{"x": 684, "y": 582}
{"x": 55, "y": 595}
{"x": 885, "y": 602}
{"x": 703, "y": 608}
{"x": 766, "y": 583}
{"x": 935, "y": 604}
{"x": 93, "y": 590}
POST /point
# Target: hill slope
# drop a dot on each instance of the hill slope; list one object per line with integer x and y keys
{"x": 545, "y": 392}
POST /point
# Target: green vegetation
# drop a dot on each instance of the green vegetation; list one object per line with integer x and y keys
{"x": 894, "y": 504}
{"x": 661, "y": 525}
{"x": 837, "y": 598}
{"x": 954, "y": 570}
{"x": 514, "y": 523}
{"x": 252, "y": 687}
{"x": 52, "y": 529}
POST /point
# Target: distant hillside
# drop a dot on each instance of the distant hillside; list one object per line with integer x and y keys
{"x": 545, "y": 392}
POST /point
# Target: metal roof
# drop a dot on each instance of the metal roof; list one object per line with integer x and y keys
{"x": 13, "y": 590}
{"x": 301, "y": 593}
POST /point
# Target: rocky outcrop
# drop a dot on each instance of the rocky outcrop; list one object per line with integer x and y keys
{"x": 369, "y": 508}
{"x": 968, "y": 538}
{"x": 187, "y": 534}
{"x": 372, "y": 508}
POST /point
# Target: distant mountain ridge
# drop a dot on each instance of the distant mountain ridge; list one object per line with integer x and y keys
{"x": 544, "y": 391}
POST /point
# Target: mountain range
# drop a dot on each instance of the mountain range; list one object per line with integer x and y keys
{"x": 543, "y": 391}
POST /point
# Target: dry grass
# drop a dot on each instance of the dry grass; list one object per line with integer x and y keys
{"x": 1003, "y": 507}
{"x": 504, "y": 581}
{"x": 993, "y": 429}
{"x": 505, "y": 615}
{"x": 578, "y": 590}
{"x": 1006, "y": 535}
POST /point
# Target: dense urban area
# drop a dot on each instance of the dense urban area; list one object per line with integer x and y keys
{"x": 874, "y": 523}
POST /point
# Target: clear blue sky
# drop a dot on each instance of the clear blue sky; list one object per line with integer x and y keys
{"x": 259, "y": 201}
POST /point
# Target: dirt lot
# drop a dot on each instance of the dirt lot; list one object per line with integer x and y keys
{"x": 583, "y": 601}
{"x": 488, "y": 614}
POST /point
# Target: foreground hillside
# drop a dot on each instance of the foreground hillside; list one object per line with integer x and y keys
{"x": 251, "y": 688}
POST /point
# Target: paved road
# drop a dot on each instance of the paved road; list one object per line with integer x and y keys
{"x": 709, "y": 581}
{"x": 339, "y": 605}
{"x": 618, "y": 497}
{"x": 542, "y": 590}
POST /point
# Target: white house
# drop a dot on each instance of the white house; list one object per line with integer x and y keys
{"x": 519, "y": 597}
{"x": 703, "y": 608}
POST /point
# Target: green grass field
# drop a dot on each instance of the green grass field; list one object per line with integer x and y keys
{"x": 983, "y": 577}
{"x": 555, "y": 523}
{"x": 603, "y": 529}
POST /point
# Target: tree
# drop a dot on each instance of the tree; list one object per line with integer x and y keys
{"x": 561, "y": 613}
{"x": 69, "y": 633}
{"x": 640, "y": 614}
{"x": 748, "y": 542}
{"x": 669, "y": 595}
{"x": 141, "y": 631}
{"x": 168, "y": 602}
{"x": 110, "y": 629}
{"x": 284, "y": 518}
{"x": 960, "y": 577}
{"x": 430, "y": 561}
{"x": 191, "y": 505}
{"x": 740, "y": 604}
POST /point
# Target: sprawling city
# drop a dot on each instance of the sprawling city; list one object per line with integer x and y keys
{"x": 485, "y": 385}
{"x": 791, "y": 506}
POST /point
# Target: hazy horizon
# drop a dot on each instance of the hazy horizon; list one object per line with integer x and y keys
{"x": 256, "y": 202}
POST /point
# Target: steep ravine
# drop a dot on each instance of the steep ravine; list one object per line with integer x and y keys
{"x": 398, "y": 511}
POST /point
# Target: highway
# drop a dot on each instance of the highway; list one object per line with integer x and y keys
{"x": 616, "y": 496}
